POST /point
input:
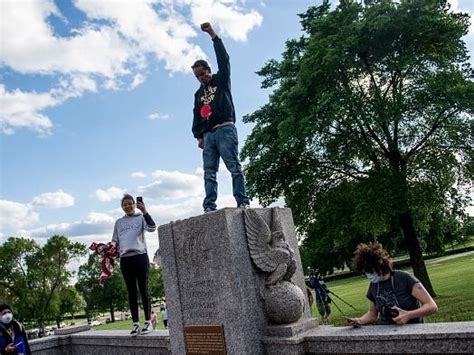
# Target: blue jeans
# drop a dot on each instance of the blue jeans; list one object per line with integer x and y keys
{"x": 222, "y": 142}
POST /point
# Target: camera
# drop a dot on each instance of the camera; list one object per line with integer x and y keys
{"x": 389, "y": 312}
{"x": 386, "y": 309}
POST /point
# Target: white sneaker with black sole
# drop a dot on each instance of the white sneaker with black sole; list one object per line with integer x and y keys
{"x": 147, "y": 327}
{"x": 135, "y": 329}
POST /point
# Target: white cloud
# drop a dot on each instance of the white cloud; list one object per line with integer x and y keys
{"x": 138, "y": 174}
{"x": 110, "y": 194}
{"x": 20, "y": 109}
{"x": 172, "y": 185}
{"x": 93, "y": 224}
{"x": 16, "y": 215}
{"x": 110, "y": 49}
{"x": 456, "y": 6}
{"x": 138, "y": 79}
{"x": 36, "y": 49}
{"x": 158, "y": 116}
{"x": 165, "y": 34}
{"x": 56, "y": 199}
{"x": 229, "y": 19}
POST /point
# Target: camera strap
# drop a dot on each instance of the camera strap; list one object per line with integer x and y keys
{"x": 392, "y": 282}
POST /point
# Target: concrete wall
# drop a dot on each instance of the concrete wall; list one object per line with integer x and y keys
{"x": 104, "y": 343}
{"x": 413, "y": 338}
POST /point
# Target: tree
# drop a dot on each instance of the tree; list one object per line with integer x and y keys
{"x": 110, "y": 296}
{"x": 71, "y": 301}
{"x": 34, "y": 275}
{"x": 155, "y": 282}
{"x": 377, "y": 96}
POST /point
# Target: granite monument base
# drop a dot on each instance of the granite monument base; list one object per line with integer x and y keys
{"x": 210, "y": 280}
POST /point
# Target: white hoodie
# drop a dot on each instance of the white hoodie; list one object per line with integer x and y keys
{"x": 129, "y": 233}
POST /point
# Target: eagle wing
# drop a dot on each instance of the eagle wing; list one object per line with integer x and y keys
{"x": 258, "y": 238}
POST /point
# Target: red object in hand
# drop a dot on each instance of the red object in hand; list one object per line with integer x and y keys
{"x": 108, "y": 252}
{"x": 206, "y": 111}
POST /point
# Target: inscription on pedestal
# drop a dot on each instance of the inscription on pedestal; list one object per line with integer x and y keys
{"x": 201, "y": 301}
{"x": 204, "y": 340}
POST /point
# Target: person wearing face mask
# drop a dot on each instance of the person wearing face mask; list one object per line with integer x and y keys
{"x": 129, "y": 234}
{"x": 13, "y": 339}
{"x": 395, "y": 297}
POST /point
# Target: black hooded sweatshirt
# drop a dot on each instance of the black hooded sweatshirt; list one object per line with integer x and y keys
{"x": 217, "y": 94}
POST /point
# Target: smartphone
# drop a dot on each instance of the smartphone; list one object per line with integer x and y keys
{"x": 139, "y": 199}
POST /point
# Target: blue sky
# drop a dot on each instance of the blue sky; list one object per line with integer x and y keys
{"x": 96, "y": 100}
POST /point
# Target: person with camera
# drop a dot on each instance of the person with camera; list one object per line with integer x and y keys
{"x": 322, "y": 295}
{"x": 13, "y": 339}
{"x": 129, "y": 234}
{"x": 214, "y": 124}
{"x": 395, "y": 297}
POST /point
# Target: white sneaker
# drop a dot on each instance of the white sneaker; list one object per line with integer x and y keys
{"x": 147, "y": 327}
{"x": 135, "y": 329}
{"x": 244, "y": 205}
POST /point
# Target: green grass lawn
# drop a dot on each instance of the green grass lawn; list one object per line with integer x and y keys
{"x": 453, "y": 281}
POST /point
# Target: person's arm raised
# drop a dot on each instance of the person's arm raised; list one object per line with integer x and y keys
{"x": 222, "y": 57}
{"x": 206, "y": 27}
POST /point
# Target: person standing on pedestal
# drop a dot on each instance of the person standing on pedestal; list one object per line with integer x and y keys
{"x": 214, "y": 124}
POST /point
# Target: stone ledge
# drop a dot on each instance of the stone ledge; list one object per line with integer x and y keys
{"x": 289, "y": 330}
{"x": 122, "y": 338}
{"x": 415, "y": 331}
{"x": 72, "y": 329}
{"x": 414, "y": 338}
{"x": 103, "y": 342}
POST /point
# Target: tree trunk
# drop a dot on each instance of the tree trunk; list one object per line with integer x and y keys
{"x": 414, "y": 250}
{"x": 112, "y": 315}
{"x": 407, "y": 225}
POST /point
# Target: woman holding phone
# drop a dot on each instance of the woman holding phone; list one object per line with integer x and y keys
{"x": 129, "y": 234}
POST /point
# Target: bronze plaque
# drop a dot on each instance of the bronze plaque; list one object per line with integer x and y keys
{"x": 204, "y": 340}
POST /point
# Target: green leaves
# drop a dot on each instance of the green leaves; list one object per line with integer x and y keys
{"x": 35, "y": 275}
{"x": 374, "y": 102}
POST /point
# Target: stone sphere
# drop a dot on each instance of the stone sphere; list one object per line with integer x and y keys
{"x": 284, "y": 303}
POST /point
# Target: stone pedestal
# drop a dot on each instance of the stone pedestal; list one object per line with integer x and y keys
{"x": 210, "y": 278}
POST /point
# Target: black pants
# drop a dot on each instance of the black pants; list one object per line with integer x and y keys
{"x": 135, "y": 270}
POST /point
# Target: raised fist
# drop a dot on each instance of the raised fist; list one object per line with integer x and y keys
{"x": 206, "y": 27}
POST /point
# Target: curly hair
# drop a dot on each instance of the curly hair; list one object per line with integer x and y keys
{"x": 372, "y": 257}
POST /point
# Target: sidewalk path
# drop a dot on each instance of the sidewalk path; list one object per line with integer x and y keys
{"x": 443, "y": 258}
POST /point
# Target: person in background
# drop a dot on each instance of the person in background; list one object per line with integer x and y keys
{"x": 129, "y": 234}
{"x": 322, "y": 296}
{"x": 153, "y": 319}
{"x": 13, "y": 339}
{"x": 214, "y": 124}
{"x": 395, "y": 297}
{"x": 310, "y": 298}
{"x": 164, "y": 314}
